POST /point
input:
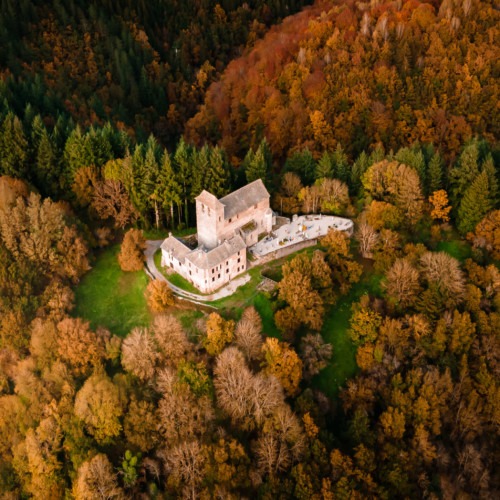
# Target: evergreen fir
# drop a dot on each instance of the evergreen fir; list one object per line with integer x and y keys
{"x": 475, "y": 204}
{"x": 324, "y": 168}
{"x": 435, "y": 173}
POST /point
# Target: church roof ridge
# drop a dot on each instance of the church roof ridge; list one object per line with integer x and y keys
{"x": 243, "y": 198}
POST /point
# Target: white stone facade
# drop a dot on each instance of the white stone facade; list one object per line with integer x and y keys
{"x": 225, "y": 228}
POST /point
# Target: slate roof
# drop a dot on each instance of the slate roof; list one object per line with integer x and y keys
{"x": 206, "y": 260}
{"x": 208, "y": 199}
{"x": 178, "y": 249}
{"x": 240, "y": 200}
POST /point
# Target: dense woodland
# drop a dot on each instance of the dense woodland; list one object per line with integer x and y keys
{"x": 144, "y": 66}
{"x": 383, "y": 112}
{"x": 361, "y": 74}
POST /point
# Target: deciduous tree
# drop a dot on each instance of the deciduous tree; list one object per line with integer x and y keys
{"x": 131, "y": 256}
{"x": 79, "y": 346}
{"x": 314, "y": 353}
{"x": 402, "y": 283}
{"x": 96, "y": 479}
{"x": 367, "y": 238}
{"x": 248, "y": 335}
{"x": 139, "y": 353}
{"x": 364, "y": 325}
{"x": 443, "y": 271}
{"x": 99, "y": 405}
{"x": 219, "y": 333}
{"x": 487, "y": 234}
{"x": 185, "y": 462}
{"x": 440, "y": 207}
{"x": 140, "y": 425}
{"x": 381, "y": 214}
{"x": 111, "y": 201}
{"x": 170, "y": 338}
{"x": 159, "y": 296}
{"x": 282, "y": 361}
{"x": 37, "y": 230}
{"x": 334, "y": 196}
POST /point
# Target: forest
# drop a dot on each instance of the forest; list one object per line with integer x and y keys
{"x": 144, "y": 66}
{"x": 115, "y": 115}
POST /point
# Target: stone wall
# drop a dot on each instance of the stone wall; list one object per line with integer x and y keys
{"x": 283, "y": 252}
{"x": 219, "y": 275}
{"x": 256, "y": 214}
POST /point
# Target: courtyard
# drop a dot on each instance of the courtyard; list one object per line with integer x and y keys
{"x": 301, "y": 228}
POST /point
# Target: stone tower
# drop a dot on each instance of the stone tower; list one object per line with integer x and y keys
{"x": 209, "y": 219}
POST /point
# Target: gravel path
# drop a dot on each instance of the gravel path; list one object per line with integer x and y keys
{"x": 153, "y": 245}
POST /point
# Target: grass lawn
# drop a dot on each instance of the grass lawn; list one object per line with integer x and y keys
{"x": 343, "y": 364}
{"x": 263, "y": 306}
{"x": 243, "y": 297}
{"x": 459, "y": 249}
{"x": 109, "y": 297}
{"x": 177, "y": 280}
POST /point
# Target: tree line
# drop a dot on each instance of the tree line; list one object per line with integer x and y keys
{"x": 106, "y": 175}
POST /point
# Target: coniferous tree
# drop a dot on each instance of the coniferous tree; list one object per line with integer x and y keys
{"x": 138, "y": 174}
{"x": 302, "y": 163}
{"x": 182, "y": 160}
{"x": 97, "y": 148}
{"x": 169, "y": 189}
{"x": 151, "y": 175}
{"x": 47, "y": 167}
{"x": 489, "y": 167}
{"x": 37, "y": 130}
{"x": 475, "y": 204}
{"x": 258, "y": 167}
{"x": 435, "y": 173}
{"x": 218, "y": 173}
{"x": 376, "y": 155}
{"x": 13, "y": 147}
{"x": 463, "y": 174}
{"x": 340, "y": 164}
{"x": 74, "y": 155}
{"x": 324, "y": 168}
{"x": 247, "y": 161}
{"x": 359, "y": 167}
{"x": 200, "y": 171}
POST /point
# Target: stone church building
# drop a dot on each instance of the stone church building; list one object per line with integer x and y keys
{"x": 225, "y": 228}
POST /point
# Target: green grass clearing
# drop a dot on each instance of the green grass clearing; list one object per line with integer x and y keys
{"x": 343, "y": 364}
{"x": 459, "y": 249}
{"x": 177, "y": 280}
{"x": 264, "y": 307}
{"x": 157, "y": 259}
{"x": 109, "y": 297}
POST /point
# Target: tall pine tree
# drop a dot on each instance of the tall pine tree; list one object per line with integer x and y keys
{"x": 476, "y": 203}
{"x": 324, "y": 168}
{"x": 435, "y": 173}
{"x": 217, "y": 180}
{"x": 182, "y": 161}
{"x": 13, "y": 147}
{"x": 168, "y": 188}
{"x": 466, "y": 170}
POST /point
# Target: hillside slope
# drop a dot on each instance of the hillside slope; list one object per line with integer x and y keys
{"x": 361, "y": 74}
{"x": 142, "y": 65}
